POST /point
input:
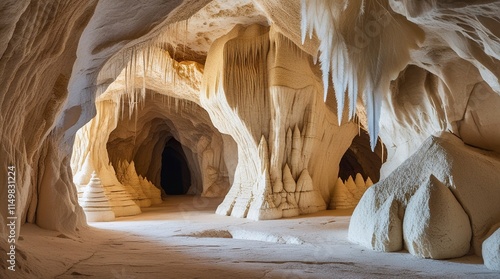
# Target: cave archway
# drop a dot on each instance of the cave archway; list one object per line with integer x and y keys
{"x": 359, "y": 158}
{"x": 175, "y": 174}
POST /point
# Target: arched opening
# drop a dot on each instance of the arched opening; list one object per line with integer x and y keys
{"x": 359, "y": 158}
{"x": 175, "y": 175}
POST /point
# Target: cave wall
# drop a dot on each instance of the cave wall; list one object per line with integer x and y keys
{"x": 38, "y": 46}
{"x": 50, "y": 54}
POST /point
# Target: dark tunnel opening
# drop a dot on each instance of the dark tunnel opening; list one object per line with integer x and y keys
{"x": 175, "y": 175}
{"x": 359, "y": 158}
{"x": 349, "y": 166}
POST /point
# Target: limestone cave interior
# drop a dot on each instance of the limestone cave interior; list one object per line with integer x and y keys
{"x": 250, "y": 139}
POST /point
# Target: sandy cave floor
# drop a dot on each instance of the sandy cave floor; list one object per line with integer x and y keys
{"x": 183, "y": 238}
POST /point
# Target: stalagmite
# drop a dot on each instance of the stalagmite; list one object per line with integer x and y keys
{"x": 347, "y": 194}
{"x": 368, "y": 182}
{"x": 342, "y": 198}
{"x": 130, "y": 178}
{"x": 95, "y": 203}
{"x": 121, "y": 201}
{"x": 360, "y": 183}
{"x": 352, "y": 188}
{"x": 288, "y": 182}
{"x": 309, "y": 199}
{"x": 151, "y": 191}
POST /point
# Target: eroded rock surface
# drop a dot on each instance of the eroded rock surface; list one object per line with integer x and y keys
{"x": 440, "y": 229}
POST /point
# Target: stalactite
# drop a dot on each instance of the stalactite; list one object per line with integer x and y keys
{"x": 352, "y": 65}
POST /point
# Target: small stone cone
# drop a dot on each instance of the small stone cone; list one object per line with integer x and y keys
{"x": 95, "y": 203}
{"x": 341, "y": 198}
{"x": 360, "y": 186}
{"x": 153, "y": 193}
{"x": 368, "y": 183}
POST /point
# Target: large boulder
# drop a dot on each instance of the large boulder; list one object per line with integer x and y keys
{"x": 435, "y": 219}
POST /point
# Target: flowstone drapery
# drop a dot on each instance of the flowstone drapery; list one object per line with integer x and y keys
{"x": 277, "y": 117}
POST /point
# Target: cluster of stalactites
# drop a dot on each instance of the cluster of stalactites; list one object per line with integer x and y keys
{"x": 354, "y": 36}
{"x": 138, "y": 62}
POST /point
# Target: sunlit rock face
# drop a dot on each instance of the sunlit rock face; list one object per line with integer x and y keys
{"x": 37, "y": 50}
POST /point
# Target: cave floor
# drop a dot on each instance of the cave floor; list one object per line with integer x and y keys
{"x": 183, "y": 238}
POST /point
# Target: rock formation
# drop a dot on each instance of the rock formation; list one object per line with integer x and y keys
{"x": 277, "y": 140}
{"x": 95, "y": 203}
{"x": 259, "y": 120}
{"x": 430, "y": 204}
{"x": 346, "y": 194}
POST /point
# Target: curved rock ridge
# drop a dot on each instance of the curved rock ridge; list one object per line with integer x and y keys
{"x": 153, "y": 99}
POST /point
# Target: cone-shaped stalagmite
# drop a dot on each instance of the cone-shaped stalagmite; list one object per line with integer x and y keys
{"x": 95, "y": 203}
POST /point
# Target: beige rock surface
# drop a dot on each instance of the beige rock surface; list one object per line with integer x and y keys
{"x": 230, "y": 77}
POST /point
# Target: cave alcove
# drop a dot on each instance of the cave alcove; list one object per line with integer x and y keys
{"x": 359, "y": 158}
{"x": 175, "y": 173}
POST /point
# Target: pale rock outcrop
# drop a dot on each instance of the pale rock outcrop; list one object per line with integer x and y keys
{"x": 435, "y": 224}
{"x": 460, "y": 168}
{"x": 491, "y": 251}
{"x": 384, "y": 230}
{"x": 128, "y": 177}
{"x": 95, "y": 203}
{"x": 150, "y": 190}
{"x": 250, "y": 67}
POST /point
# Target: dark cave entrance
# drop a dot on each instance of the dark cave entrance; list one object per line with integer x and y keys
{"x": 349, "y": 166}
{"x": 175, "y": 175}
{"x": 359, "y": 158}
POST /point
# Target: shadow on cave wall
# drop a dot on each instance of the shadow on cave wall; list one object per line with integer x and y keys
{"x": 175, "y": 175}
